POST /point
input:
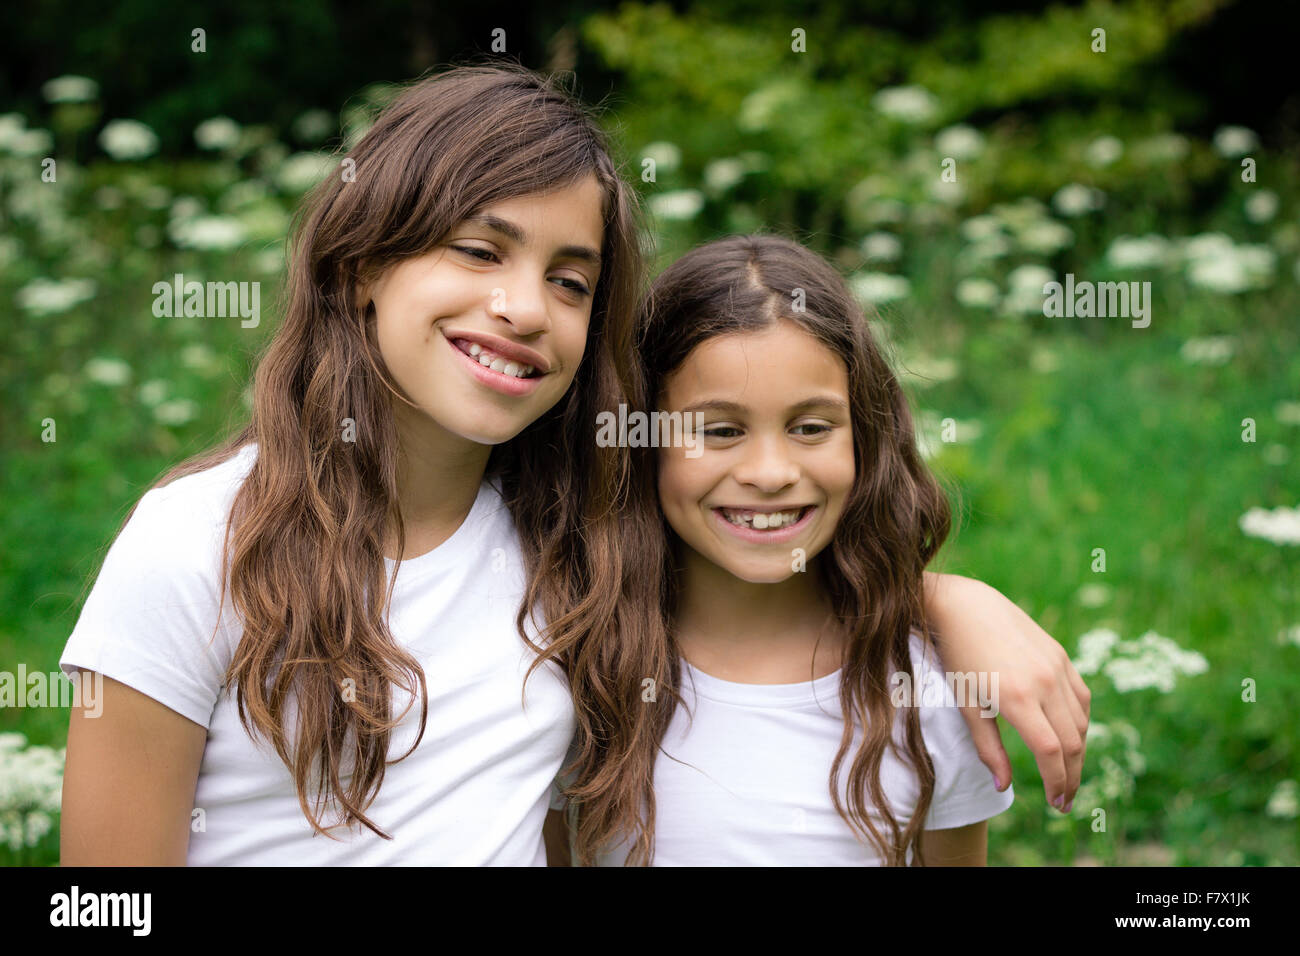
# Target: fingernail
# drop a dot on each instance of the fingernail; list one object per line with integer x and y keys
{"x": 997, "y": 781}
{"x": 1057, "y": 802}
{"x": 1068, "y": 805}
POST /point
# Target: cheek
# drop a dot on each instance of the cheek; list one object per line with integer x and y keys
{"x": 838, "y": 471}
{"x": 679, "y": 489}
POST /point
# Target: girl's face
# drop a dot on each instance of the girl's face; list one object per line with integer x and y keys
{"x": 485, "y": 332}
{"x": 777, "y": 452}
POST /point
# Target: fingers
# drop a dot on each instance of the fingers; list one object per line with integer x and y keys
{"x": 986, "y": 736}
{"x": 1043, "y": 741}
{"x": 1063, "y": 712}
{"x": 1081, "y": 692}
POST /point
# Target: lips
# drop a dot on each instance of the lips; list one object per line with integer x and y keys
{"x": 497, "y": 381}
{"x": 510, "y": 351}
{"x": 754, "y": 535}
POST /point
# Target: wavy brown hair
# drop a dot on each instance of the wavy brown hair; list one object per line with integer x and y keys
{"x": 303, "y": 548}
{"x": 895, "y": 519}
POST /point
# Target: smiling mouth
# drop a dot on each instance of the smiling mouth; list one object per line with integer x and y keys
{"x": 497, "y": 363}
{"x": 763, "y": 520}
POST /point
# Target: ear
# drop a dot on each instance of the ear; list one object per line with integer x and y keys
{"x": 363, "y": 286}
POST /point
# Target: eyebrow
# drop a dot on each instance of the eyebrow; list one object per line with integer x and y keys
{"x": 721, "y": 405}
{"x": 515, "y": 234}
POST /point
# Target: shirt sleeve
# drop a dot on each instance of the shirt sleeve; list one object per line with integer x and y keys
{"x": 963, "y": 787}
{"x": 964, "y": 792}
{"x": 151, "y": 618}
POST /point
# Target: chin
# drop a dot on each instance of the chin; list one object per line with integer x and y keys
{"x": 762, "y": 573}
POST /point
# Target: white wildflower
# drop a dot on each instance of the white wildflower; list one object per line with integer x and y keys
{"x": 1076, "y": 199}
{"x": 219, "y": 132}
{"x": 1163, "y": 147}
{"x": 12, "y": 128}
{"x": 178, "y": 411}
{"x": 107, "y": 371}
{"x": 882, "y": 247}
{"x": 31, "y": 142}
{"x": 126, "y": 139}
{"x": 1233, "y": 141}
{"x": 152, "y": 392}
{"x": 1209, "y": 350}
{"x": 977, "y": 293}
{"x": 1284, "y": 802}
{"x": 1231, "y": 269}
{"x": 50, "y": 296}
{"x": 721, "y": 174}
{"x": 1093, "y": 595}
{"x": 667, "y": 156}
{"x": 302, "y": 171}
{"x": 907, "y": 104}
{"x": 70, "y": 89}
{"x": 1030, "y": 276}
{"x": 218, "y": 233}
{"x": 875, "y": 288}
{"x": 677, "y": 204}
{"x": 1138, "y": 252}
{"x": 1045, "y": 238}
{"x": 1094, "y": 650}
{"x": 978, "y": 228}
{"x": 1151, "y": 661}
{"x": 1261, "y": 206}
{"x": 1025, "y": 289}
{"x": 926, "y": 370}
{"x": 1104, "y": 150}
{"x": 270, "y": 261}
{"x": 1288, "y": 413}
{"x": 948, "y": 193}
{"x": 1281, "y": 525}
{"x": 959, "y": 142}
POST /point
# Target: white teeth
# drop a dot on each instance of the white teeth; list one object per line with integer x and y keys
{"x": 498, "y": 363}
{"x": 761, "y": 521}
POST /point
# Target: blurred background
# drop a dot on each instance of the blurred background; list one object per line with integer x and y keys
{"x": 1135, "y": 490}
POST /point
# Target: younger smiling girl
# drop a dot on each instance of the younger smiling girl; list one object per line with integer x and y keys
{"x": 809, "y": 455}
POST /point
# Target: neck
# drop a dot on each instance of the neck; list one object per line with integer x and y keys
{"x": 438, "y": 479}
{"x": 721, "y": 618}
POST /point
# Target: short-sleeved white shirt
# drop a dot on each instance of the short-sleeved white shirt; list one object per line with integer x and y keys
{"x": 747, "y": 781}
{"x": 474, "y": 792}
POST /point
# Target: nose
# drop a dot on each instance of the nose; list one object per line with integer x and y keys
{"x": 767, "y": 465}
{"x": 521, "y": 301}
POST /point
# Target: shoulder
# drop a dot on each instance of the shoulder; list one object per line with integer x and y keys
{"x": 154, "y": 618}
{"x": 180, "y": 527}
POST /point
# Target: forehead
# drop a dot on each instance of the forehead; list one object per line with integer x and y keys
{"x": 760, "y": 368}
{"x": 564, "y": 215}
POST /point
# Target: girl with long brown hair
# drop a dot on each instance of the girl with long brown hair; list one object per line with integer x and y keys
{"x": 351, "y": 590}
{"x": 802, "y": 717}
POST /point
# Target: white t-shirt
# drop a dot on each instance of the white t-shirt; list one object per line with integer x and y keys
{"x": 474, "y": 792}
{"x": 750, "y": 782}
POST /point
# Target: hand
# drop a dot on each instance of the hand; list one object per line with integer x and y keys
{"x": 1039, "y": 692}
